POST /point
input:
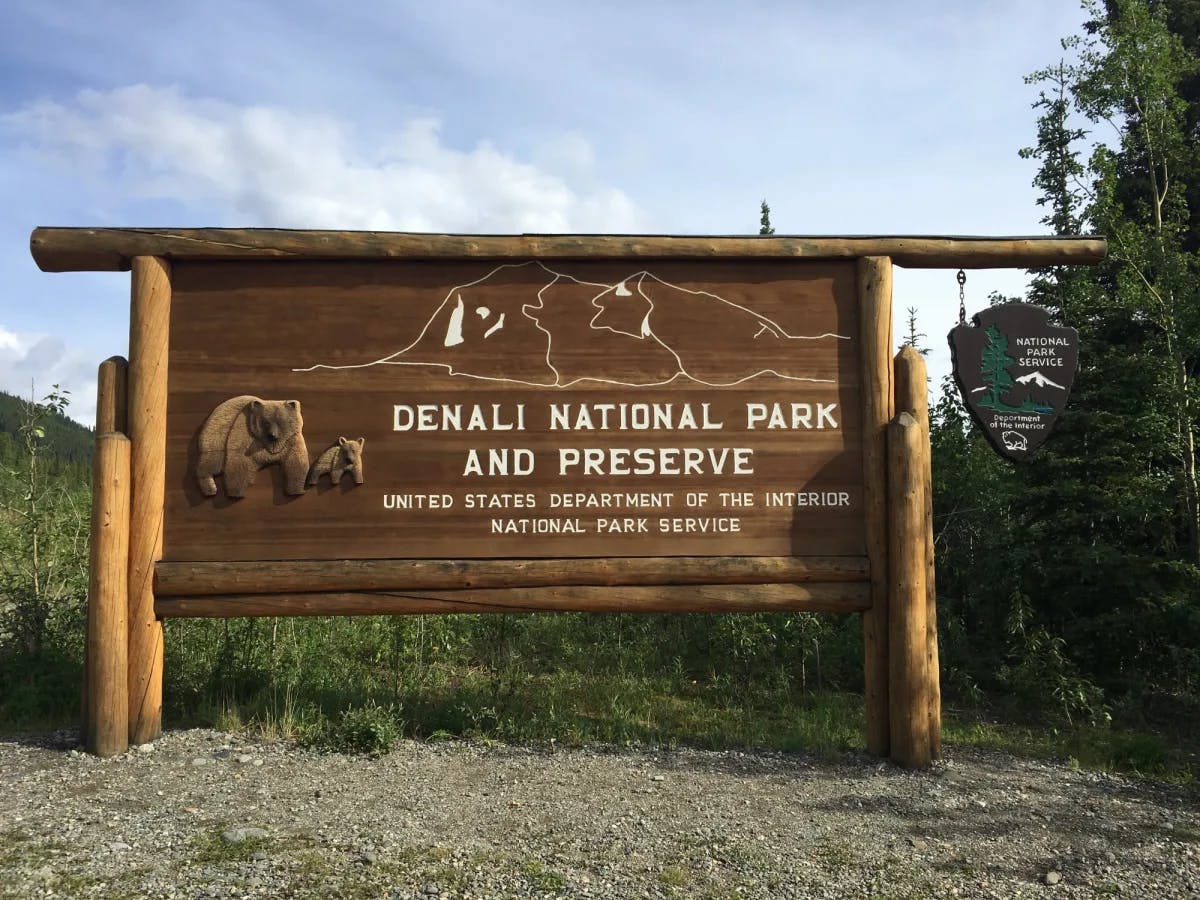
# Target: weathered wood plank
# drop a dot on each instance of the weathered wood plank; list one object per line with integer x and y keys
{"x": 847, "y": 598}
{"x": 354, "y": 575}
{"x": 112, "y": 249}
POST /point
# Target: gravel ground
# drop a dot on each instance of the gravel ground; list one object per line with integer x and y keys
{"x": 205, "y": 814}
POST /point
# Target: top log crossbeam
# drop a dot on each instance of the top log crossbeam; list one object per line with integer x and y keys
{"x": 111, "y": 249}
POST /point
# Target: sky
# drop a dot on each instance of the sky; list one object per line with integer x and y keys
{"x": 669, "y": 117}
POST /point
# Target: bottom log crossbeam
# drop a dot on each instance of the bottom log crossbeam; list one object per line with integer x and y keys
{"x": 845, "y": 598}
{"x": 356, "y": 576}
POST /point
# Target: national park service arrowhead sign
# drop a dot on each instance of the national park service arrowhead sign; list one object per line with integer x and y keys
{"x": 1014, "y": 370}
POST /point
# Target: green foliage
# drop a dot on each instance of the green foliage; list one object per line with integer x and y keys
{"x": 368, "y": 729}
{"x": 913, "y": 338}
{"x": 1074, "y": 576}
{"x": 1095, "y": 747}
{"x": 67, "y": 443}
{"x": 764, "y": 220}
{"x": 1037, "y": 667}
{"x": 357, "y": 684}
{"x": 44, "y": 519}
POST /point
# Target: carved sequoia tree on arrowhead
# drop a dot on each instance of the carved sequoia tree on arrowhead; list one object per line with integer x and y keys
{"x": 993, "y": 368}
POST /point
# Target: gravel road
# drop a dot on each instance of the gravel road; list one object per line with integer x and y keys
{"x": 205, "y": 814}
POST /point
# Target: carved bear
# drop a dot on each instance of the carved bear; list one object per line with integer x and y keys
{"x": 344, "y": 456}
{"x": 242, "y": 435}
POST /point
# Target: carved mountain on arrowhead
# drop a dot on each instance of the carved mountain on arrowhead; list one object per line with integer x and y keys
{"x": 556, "y": 330}
{"x": 1036, "y": 377}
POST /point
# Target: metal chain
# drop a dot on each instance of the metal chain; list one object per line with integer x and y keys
{"x": 962, "y": 303}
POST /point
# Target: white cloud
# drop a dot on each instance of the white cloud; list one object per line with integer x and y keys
{"x": 270, "y": 166}
{"x": 219, "y": 163}
{"x": 32, "y": 364}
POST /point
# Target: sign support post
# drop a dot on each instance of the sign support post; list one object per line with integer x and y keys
{"x": 907, "y": 619}
{"x": 150, "y": 310}
{"x": 111, "y": 416}
{"x": 106, "y": 702}
{"x": 875, "y": 312}
{"x": 912, "y": 397}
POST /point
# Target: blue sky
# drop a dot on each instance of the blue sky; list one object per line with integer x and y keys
{"x": 667, "y": 117}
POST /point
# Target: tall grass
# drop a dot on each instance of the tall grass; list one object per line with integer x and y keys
{"x": 565, "y": 677}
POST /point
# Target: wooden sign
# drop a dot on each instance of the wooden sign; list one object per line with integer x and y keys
{"x": 1015, "y": 370}
{"x": 474, "y": 409}
{"x": 346, "y": 423}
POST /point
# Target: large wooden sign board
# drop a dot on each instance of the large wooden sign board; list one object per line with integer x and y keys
{"x": 574, "y": 409}
{"x": 347, "y": 423}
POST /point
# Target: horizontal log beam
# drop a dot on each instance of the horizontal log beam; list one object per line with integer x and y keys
{"x": 190, "y": 579}
{"x": 111, "y": 249}
{"x": 844, "y": 598}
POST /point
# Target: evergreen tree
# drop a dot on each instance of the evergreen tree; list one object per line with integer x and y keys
{"x": 1098, "y": 531}
{"x": 993, "y": 367}
{"x": 1130, "y": 73}
{"x": 914, "y": 337}
{"x": 1113, "y": 500}
{"x": 764, "y": 221}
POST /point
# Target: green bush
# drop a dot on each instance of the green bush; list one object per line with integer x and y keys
{"x": 368, "y": 729}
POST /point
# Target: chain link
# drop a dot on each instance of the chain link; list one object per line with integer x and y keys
{"x": 962, "y": 303}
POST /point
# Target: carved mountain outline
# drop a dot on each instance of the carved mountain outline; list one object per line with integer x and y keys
{"x": 444, "y": 345}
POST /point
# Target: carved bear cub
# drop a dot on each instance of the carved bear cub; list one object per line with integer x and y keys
{"x": 242, "y": 435}
{"x": 344, "y": 456}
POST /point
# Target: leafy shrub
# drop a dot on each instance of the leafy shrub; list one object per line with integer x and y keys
{"x": 368, "y": 729}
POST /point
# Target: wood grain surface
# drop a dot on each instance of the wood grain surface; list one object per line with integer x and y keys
{"x": 908, "y": 651}
{"x": 106, "y": 671}
{"x": 729, "y": 341}
{"x": 843, "y": 598}
{"x": 111, "y": 249}
{"x": 875, "y": 297}
{"x": 149, "y": 331}
{"x": 199, "y": 578}
{"x": 912, "y": 397}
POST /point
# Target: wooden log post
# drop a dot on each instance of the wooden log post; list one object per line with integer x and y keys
{"x": 150, "y": 309}
{"x": 111, "y": 416}
{"x": 112, "y": 385}
{"x": 875, "y": 327}
{"x": 907, "y": 620}
{"x": 106, "y": 719}
{"x": 912, "y": 398}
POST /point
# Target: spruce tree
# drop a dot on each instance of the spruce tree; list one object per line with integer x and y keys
{"x": 764, "y": 221}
